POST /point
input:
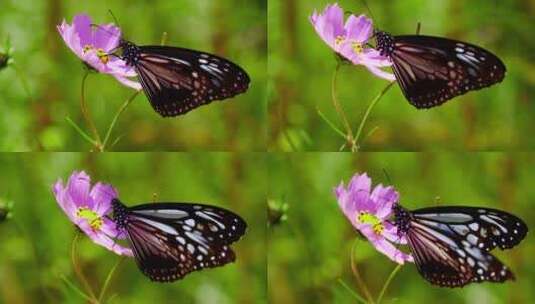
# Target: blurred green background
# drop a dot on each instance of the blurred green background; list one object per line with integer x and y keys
{"x": 36, "y": 242}
{"x": 310, "y": 252}
{"x": 301, "y": 67}
{"x": 42, "y": 88}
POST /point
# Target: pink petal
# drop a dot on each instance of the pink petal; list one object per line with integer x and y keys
{"x": 396, "y": 255}
{"x": 110, "y": 229}
{"x": 391, "y": 233}
{"x": 127, "y": 82}
{"x": 82, "y": 26}
{"x": 329, "y": 24}
{"x": 373, "y": 57}
{"x": 107, "y": 37}
{"x": 380, "y": 73}
{"x": 358, "y": 28}
{"x": 78, "y": 188}
{"x": 64, "y": 202}
{"x": 384, "y": 198}
{"x": 102, "y": 195}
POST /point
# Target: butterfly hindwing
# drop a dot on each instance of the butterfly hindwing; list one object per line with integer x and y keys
{"x": 170, "y": 240}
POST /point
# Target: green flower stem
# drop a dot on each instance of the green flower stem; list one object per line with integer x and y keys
{"x": 23, "y": 80}
{"x": 79, "y": 272}
{"x": 108, "y": 279}
{"x": 367, "y": 113}
{"x": 357, "y": 275}
{"x": 87, "y": 115}
{"x": 353, "y": 293}
{"x": 338, "y": 107}
{"x": 116, "y": 117}
{"x": 330, "y": 123}
{"x": 80, "y": 131}
{"x": 387, "y": 283}
{"x": 75, "y": 289}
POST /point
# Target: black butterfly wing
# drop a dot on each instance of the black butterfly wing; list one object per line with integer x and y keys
{"x": 431, "y": 70}
{"x": 485, "y": 228}
{"x": 178, "y": 80}
{"x": 170, "y": 240}
{"x": 450, "y": 244}
{"x": 447, "y": 261}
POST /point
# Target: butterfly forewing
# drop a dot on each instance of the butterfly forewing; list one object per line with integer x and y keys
{"x": 431, "y": 70}
{"x": 170, "y": 240}
{"x": 450, "y": 244}
{"x": 178, "y": 80}
{"x": 484, "y": 228}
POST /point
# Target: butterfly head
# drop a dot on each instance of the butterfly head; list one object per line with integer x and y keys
{"x": 120, "y": 213}
{"x": 130, "y": 52}
{"x": 402, "y": 218}
{"x": 385, "y": 43}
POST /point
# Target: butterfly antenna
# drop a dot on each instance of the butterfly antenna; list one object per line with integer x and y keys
{"x": 113, "y": 16}
{"x": 418, "y": 26}
{"x": 368, "y": 8}
{"x": 387, "y": 176}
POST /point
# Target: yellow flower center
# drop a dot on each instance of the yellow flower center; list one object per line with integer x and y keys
{"x": 339, "y": 40}
{"x": 103, "y": 56}
{"x": 357, "y": 47}
{"x": 367, "y": 218}
{"x": 92, "y": 218}
{"x": 87, "y": 48}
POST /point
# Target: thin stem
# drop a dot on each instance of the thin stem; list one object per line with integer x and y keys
{"x": 108, "y": 279}
{"x": 23, "y": 80}
{"x": 356, "y": 272}
{"x": 73, "y": 287}
{"x": 330, "y": 123}
{"x": 87, "y": 115}
{"x": 368, "y": 111}
{"x": 387, "y": 283}
{"x": 78, "y": 270}
{"x": 81, "y": 132}
{"x": 338, "y": 107}
{"x": 351, "y": 291}
{"x": 116, "y": 117}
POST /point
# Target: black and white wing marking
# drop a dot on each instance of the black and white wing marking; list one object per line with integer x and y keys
{"x": 450, "y": 244}
{"x": 178, "y": 80}
{"x": 484, "y": 228}
{"x": 431, "y": 70}
{"x": 170, "y": 240}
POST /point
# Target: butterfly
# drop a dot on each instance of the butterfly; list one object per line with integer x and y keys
{"x": 178, "y": 80}
{"x": 170, "y": 240}
{"x": 432, "y": 70}
{"x": 450, "y": 244}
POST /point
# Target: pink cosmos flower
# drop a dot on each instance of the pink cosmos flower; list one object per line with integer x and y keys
{"x": 87, "y": 208}
{"x": 369, "y": 212}
{"x": 93, "y": 44}
{"x": 349, "y": 39}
